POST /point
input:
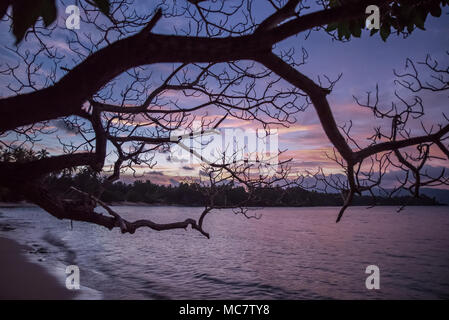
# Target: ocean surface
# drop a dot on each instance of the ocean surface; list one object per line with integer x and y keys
{"x": 290, "y": 253}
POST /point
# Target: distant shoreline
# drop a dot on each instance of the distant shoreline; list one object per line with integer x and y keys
{"x": 24, "y": 204}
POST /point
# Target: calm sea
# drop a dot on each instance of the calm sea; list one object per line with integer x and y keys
{"x": 290, "y": 253}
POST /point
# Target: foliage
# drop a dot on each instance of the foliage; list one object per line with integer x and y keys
{"x": 402, "y": 16}
{"x": 192, "y": 194}
{"x": 20, "y": 154}
{"x": 25, "y": 13}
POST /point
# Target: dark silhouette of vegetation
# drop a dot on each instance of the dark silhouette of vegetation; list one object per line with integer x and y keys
{"x": 188, "y": 194}
{"x": 26, "y": 13}
{"x": 193, "y": 194}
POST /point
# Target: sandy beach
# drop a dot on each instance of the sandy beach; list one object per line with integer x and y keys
{"x": 21, "y": 279}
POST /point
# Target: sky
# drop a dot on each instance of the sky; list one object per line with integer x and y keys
{"x": 363, "y": 62}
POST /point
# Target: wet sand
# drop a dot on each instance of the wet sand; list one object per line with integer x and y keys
{"x": 21, "y": 279}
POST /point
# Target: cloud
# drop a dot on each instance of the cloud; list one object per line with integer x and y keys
{"x": 159, "y": 173}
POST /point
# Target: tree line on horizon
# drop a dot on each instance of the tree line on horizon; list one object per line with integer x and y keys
{"x": 193, "y": 194}
{"x": 186, "y": 194}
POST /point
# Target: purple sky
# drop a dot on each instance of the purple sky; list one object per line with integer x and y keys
{"x": 364, "y": 63}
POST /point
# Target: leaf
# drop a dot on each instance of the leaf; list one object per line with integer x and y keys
{"x": 333, "y": 3}
{"x": 373, "y": 31}
{"x": 331, "y": 27}
{"x": 25, "y": 13}
{"x": 385, "y": 31}
{"x": 343, "y": 31}
{"x": 4, "y": 7}
{"x": 103, "y": 5}
{"x": 355, "y": 29}
{"x": 435, "y": 11}
{"x": 420, "y": 17}
{"x": 419, "y": 22}
{"x": 24, "y": 16}
{"x": 405, "y": 10}
{"x": 49, "y": 12}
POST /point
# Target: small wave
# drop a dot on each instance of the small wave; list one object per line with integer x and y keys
{"x": 70, "y": 255}
{"x": 259, "y": 289}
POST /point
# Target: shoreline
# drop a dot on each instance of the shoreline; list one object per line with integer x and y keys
{"x": 21, "y": 204}
{"x": 23, "y": 280}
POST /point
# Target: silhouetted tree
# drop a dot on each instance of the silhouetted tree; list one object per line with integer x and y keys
{"x": 224, "y": 55}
